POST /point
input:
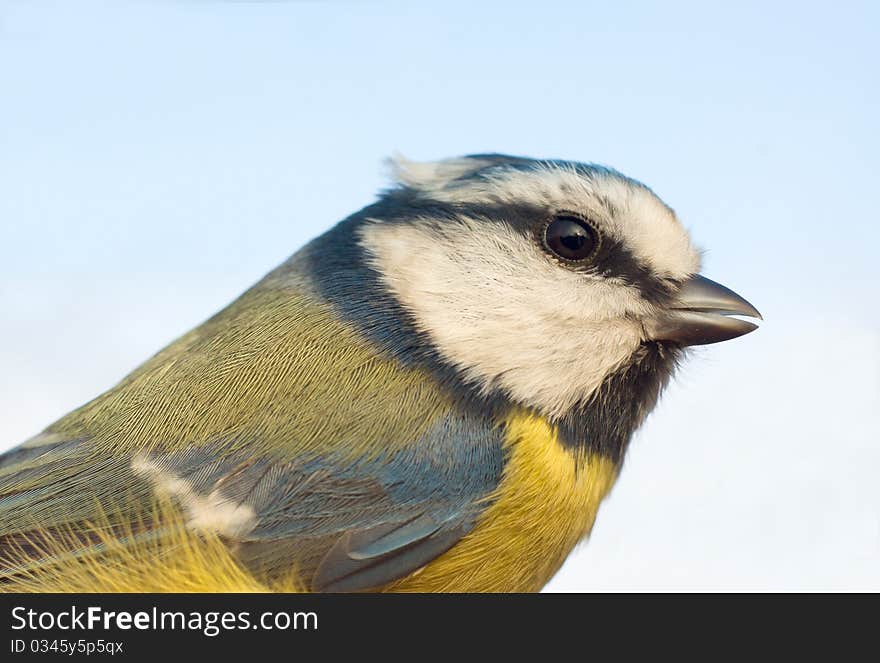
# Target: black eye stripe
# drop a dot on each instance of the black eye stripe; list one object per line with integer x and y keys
{"x": 619, "y": 262}
{"x": 611, "y": 258}
{"x": 570, "y": 238}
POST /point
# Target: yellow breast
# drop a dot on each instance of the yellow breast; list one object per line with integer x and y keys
{"x": 546, "y": 502}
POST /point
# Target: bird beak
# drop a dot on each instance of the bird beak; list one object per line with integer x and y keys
{"x": 700, "y": 315}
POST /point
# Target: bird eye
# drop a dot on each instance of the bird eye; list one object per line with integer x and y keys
{"x": 570, "y": 238}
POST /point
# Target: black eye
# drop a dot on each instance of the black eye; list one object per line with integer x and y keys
{"x": 570, "y": 238}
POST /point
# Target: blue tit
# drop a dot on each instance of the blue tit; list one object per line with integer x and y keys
{"x": 434, "y": 395}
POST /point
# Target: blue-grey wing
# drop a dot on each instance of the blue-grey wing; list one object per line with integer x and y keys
{"x": 349, "y": 524}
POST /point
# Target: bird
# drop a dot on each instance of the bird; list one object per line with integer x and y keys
{"x": 435, "y": 395}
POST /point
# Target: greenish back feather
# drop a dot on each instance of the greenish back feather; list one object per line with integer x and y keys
{"x": 276, "y": 370}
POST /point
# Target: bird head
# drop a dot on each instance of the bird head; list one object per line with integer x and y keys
{"x": 541, "y": 279}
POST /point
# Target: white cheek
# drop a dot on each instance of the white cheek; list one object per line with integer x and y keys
{"x": 211, "y": 512}
{"x": 504, "y": 313}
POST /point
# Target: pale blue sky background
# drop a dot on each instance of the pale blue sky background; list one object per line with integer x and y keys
{"x": 156, "y": 158}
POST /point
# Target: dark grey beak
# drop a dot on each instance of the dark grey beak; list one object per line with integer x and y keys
{"x": 701, "y": 315}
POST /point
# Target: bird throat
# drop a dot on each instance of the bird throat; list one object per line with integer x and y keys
{"x": 605, "y": 423}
